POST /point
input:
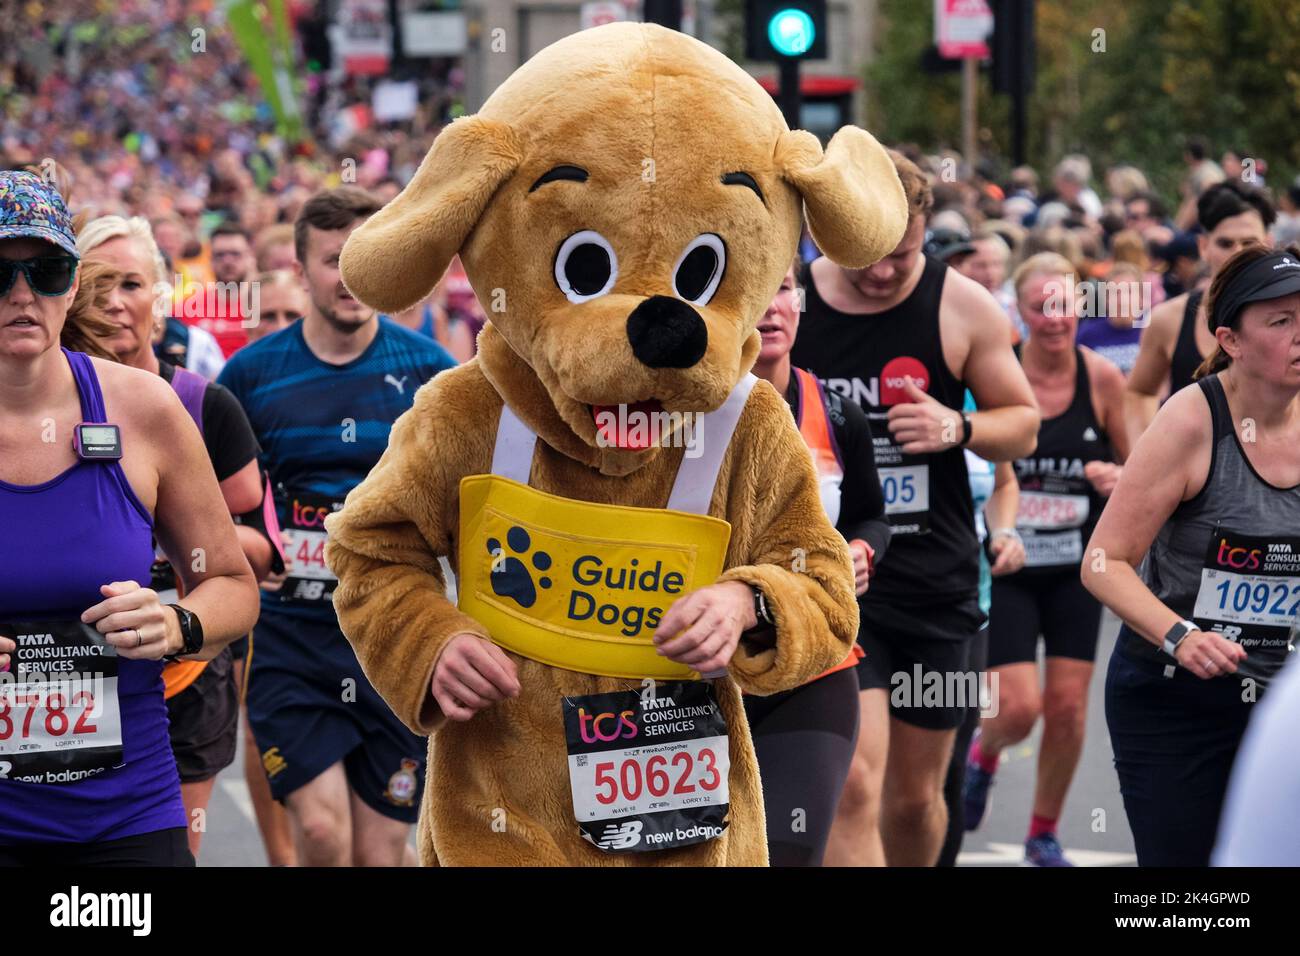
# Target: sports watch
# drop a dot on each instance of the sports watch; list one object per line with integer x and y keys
{"x": 966, "y": 429}
{"x": 1177, "y": 634}
{"x": 762, "y": 615}
{"x": 191, "y": 633}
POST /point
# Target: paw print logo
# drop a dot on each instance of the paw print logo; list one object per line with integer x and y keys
{"x": 510, "y": 576}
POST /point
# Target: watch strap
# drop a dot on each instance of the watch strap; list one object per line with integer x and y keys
{"x": 190, "y": 636}
{"x": 1175, "y": 636}
{"x": 762, "y": 616}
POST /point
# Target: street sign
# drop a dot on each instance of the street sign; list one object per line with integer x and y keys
{"x": 597, "y": 14}
{"x": 962, "y": 28}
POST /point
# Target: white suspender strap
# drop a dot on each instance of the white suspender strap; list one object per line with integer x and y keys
{"x": 696, "y": 477}
{"x": 513, "y": 456}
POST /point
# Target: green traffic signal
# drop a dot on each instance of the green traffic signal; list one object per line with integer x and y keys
{"x": 791, "y": 32}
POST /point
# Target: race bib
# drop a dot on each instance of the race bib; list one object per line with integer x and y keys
{"x": 311, "y": 582}
{"x": 1250, "y": 593}
{"x": 580, "y": 585}
{"x": 59, "y": 716}
{"x": 648, "y": 773}
{"x": 1049, "y": 512}
{"x": 906, "y": 489}
{"x": 1048, "y": 549}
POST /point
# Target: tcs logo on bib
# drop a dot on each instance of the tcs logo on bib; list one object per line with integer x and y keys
{"x": 622, "y": 726}
{"x": 1239, "y": 559}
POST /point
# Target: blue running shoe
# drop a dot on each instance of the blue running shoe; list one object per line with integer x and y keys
{"x": 1045, "y": 850}
{"x": 975, "y": 795}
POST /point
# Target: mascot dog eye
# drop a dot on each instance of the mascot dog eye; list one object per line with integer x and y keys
{"x": 586, "y": 266}
{"x": 699, "y": 270}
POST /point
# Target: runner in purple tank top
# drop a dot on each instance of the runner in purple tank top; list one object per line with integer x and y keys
{"x": 86, "y": 772}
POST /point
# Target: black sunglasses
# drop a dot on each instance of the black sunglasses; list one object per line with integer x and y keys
{"x": 46, "y": 275}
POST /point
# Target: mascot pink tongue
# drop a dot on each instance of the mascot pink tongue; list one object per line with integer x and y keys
{"x": 633, "y": 427}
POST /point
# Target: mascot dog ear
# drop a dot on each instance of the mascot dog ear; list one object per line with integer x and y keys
{"x": 394, "y": 258}
{"x": 856, "y": 208}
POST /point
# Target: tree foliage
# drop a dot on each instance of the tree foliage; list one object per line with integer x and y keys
{"x": 1117, "y": 80}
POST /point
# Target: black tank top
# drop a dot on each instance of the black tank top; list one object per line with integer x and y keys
{"x": 1058, "y": 505}
{"x": 1187, "y": 357}
{"x": 1228, "y": 558}
{"x": 933, "y": 554}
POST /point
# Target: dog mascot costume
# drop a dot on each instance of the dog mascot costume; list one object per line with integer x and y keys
{"x": 625, "y": 206}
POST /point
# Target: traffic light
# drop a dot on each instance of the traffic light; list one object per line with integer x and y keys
{"x": 1013, "y": 46}
{"x": 785, "y": 29}
{"x": 666, "y": 13}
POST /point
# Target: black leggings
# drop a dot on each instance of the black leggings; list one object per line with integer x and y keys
{"x": 952, "y": 784}
{"x": 804, "y": 740}
{"x": 1175, "y": 740}
{"x": 159, "y": 848}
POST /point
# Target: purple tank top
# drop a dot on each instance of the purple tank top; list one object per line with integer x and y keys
{"x": 79, "y": 530}
{"x": 1118, "y": 345}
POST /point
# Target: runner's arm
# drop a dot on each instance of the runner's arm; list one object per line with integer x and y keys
{"x": 862, "y": 503}
{"x": 783, "y": 544}
{"x": 1110, "y": 383}
{"x": 1006, "y": 426}
{"x": 1003, "y": 504}
{"x": 1151, "y": 368}
{"x": 195, "y": 531}
{"x": 233, "y": 448}
{"x": 1168, "y": 465}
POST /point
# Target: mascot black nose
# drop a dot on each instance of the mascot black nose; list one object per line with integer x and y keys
{"x": 667, "y": 333}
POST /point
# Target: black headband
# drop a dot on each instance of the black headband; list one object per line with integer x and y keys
{"x": 1271, "y": 277}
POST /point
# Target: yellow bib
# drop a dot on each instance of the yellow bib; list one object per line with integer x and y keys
{"x": 580, "y": 585}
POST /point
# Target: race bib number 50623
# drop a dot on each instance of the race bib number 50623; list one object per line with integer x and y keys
{"x": 648, "y": 773}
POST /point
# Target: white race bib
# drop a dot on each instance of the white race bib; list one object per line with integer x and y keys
{"x": 906, "y": 489}
{"x": 1053, "y": 548}
{"x": 1050, "y": 512}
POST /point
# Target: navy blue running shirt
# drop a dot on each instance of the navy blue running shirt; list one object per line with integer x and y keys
{"x": 323, "y": 427}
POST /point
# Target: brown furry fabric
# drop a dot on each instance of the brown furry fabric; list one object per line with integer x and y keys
{"x": 656, "y": 119}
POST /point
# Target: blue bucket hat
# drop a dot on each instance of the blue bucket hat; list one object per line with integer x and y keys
{"x": 31, "y": 208}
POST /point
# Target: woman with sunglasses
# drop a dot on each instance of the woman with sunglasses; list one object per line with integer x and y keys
{"x": 95, "y": 459}
{"x": 1209, "y": 506}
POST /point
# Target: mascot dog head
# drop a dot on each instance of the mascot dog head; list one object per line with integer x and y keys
{"x": 626, "y": 205}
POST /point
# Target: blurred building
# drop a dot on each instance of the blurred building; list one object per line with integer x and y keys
{"x": 504, "y": 33}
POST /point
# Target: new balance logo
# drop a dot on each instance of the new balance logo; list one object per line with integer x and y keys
{"x": 397, "y": 383}
{"x": 1089, "y": 434}
{"x": 620, "y": 836}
